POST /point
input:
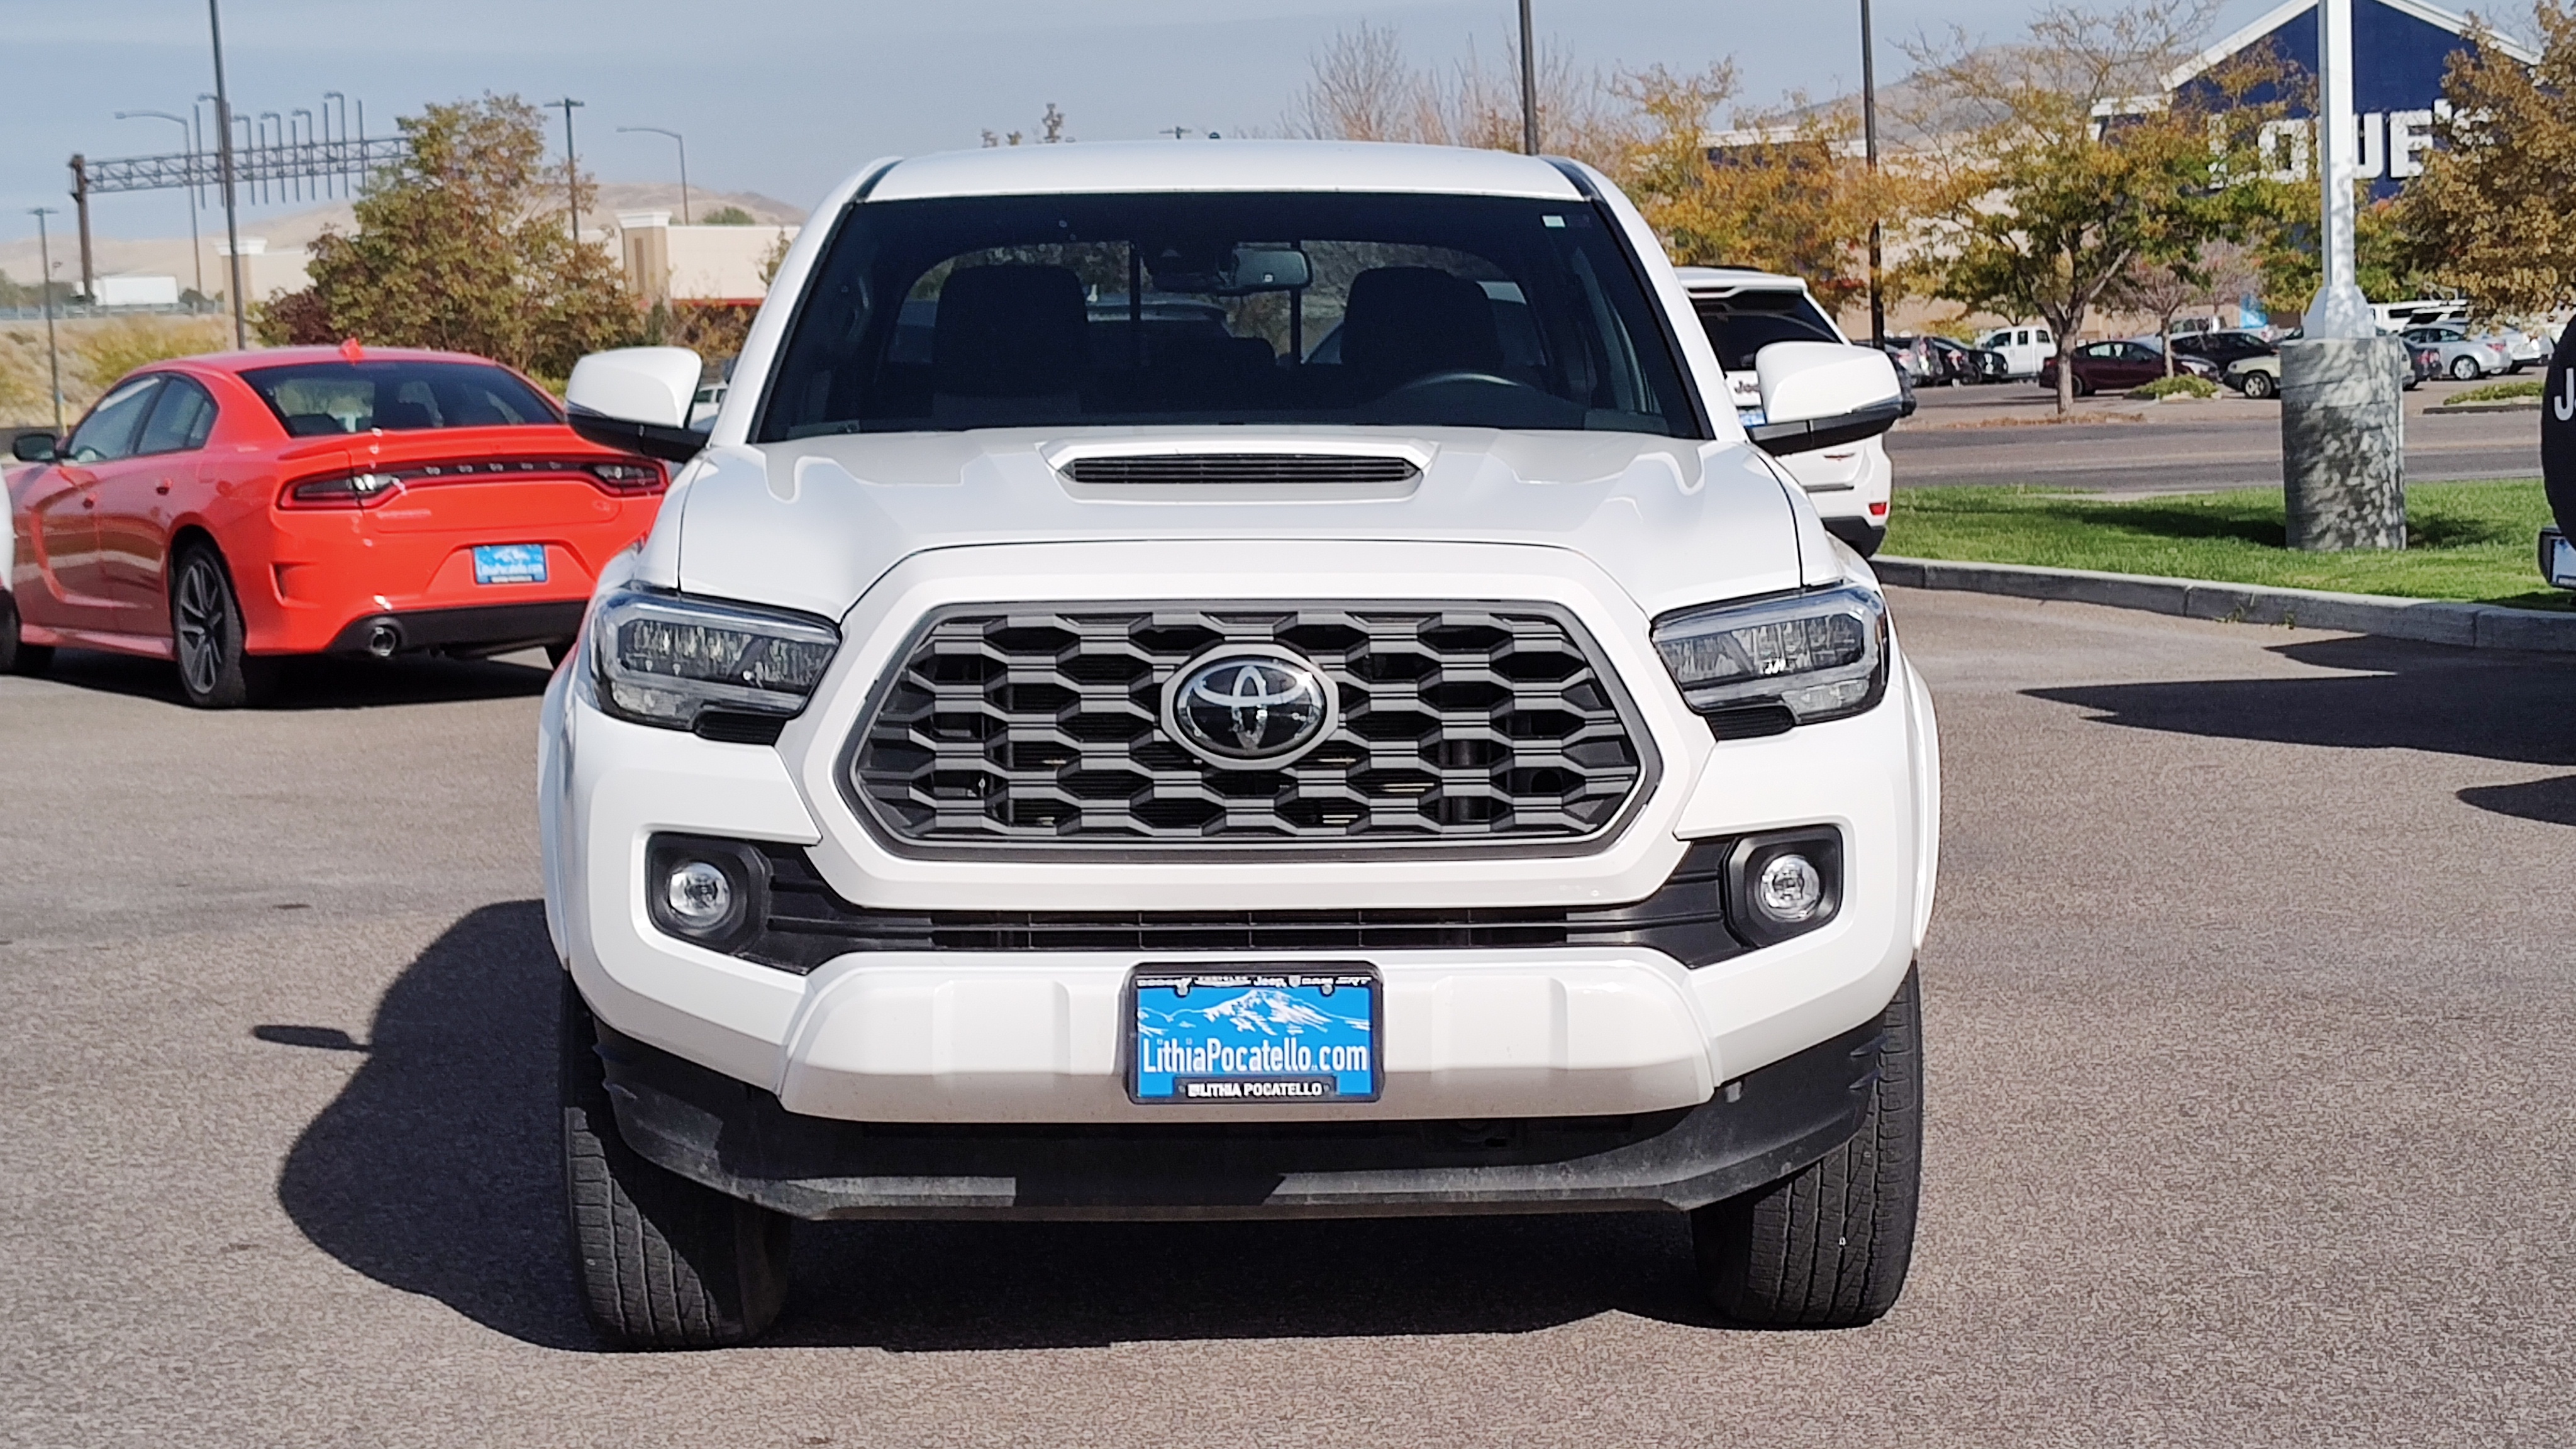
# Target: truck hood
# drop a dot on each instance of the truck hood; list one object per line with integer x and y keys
{"x": 810, "y": 525}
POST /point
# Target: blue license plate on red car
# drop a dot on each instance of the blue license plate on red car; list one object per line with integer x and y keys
{"x": 510, "y": 563}
{"x": 1254, "y": 1034}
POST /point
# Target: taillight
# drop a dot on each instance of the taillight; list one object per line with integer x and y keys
{"x": 352, "y": 490}
{"x": 628, "y": 478}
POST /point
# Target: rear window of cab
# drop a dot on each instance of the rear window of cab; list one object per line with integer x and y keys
{"x": 319, "y": 399}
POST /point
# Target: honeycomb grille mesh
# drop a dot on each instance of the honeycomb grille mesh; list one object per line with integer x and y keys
{"x": 1457, "y": 724}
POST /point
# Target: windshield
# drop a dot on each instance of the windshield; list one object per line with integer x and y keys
{"x": 316, "y": 398}
{"x": 1196, "y": 308}
{"x": 1741, "y": 325}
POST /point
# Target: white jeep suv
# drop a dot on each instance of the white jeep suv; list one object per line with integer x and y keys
{"x": 1078, "y": 745}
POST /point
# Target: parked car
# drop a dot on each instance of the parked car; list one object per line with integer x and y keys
{"x": 227, "y": 511}
{"x": 2025, "y": 348}
{"x": 2259, "y": 376}
{"x": 1059, "y": 779}
{"x": 2121, "y": 365}
{"x": 1744, "y": 311}
{"x": 2463, "y": 357}
{"x": 2224, "y": 348}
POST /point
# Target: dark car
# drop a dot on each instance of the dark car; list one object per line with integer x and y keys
{"x": 2223, "y": 350}
{"x": 2119, "y": 366}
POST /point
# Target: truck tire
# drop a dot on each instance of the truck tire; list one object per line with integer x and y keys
{"x": 17, "y": 656}
{"x": 662, "y": 1262}
{"x": 1828, "y": 1245}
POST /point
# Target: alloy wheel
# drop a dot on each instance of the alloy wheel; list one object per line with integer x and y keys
{"x": 202, "y": 615}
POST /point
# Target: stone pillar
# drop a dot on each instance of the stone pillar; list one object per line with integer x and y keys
{"x": 2343, "y": 463}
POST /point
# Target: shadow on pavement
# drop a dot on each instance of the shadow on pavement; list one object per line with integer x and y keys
{"x": 2551, "y": 801}
{"x": 2485, "y": 705}
{"x": 436, "y": 1172}
{"x": 320, "y": 683}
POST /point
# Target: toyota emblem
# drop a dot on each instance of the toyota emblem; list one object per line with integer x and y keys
{"x": 1247, "y": 708}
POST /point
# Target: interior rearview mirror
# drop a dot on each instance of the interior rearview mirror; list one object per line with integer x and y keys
{"x": 36, "y": 447}
{"x": 1819, "y": 394}
{"x": 1266, "y": 269}
{"x": 637, "y": 399}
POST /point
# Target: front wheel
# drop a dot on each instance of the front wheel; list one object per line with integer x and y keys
{"x": 17, "y": 656}
{"x": 1828, "y": 1245}
{"x": 2260, "y": 385}
{"x": 661, "y": 1262}
{"x": 206, "y": 628}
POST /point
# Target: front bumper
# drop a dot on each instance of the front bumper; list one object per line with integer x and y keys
{"x": 740, "y": 1140}
{"x": 883, "y": 1035}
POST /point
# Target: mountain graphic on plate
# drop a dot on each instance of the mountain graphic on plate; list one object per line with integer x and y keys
{"x": 1262, "y": 1009}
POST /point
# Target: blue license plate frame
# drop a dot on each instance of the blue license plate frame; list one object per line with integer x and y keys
{"x": 510, "y": 563}
{"x": 1262, "y": 1034}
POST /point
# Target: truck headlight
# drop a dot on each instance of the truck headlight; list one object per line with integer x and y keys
{"x": 661, "y": 659}
{"x": 1819, "y": 655}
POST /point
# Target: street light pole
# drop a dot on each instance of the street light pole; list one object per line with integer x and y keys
{"x": 1529, "y": 85}
{"x": 572, "y": 169}
{"x": 1869, "y": 144}
{"x": 45, "y": 290}
{"x": 224, "y": 166}
{"x": 684, "y": 163}
{"x": 196, "y": 248}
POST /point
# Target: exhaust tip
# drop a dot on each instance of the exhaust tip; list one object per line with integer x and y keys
{"x": 383, "y": 640}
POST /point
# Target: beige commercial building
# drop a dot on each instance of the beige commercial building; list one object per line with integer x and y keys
{"x": 727, "y": 264}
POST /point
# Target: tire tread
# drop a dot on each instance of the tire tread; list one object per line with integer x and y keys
{"x": 1829, "y": 1245}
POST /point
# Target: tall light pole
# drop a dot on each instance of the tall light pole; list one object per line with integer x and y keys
{"x": 187, "y": 137}
{"x": 339, "y": 154}
{"x": 304, "y": 154}
{"x": 1529, "y": 85}
{"x": 1869, "y": 145}
{"x": 684, "y": 164}
{"x": 224, "y": 166}
{"x": 45, "y": 290}
{"x": 572, "y": 169}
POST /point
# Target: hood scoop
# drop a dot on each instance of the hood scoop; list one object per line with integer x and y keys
{"x": 1259, "y": 470}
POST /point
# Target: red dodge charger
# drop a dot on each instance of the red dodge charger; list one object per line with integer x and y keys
{"x": 225, "y": 511}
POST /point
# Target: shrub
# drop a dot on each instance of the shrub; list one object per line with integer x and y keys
{"x": 2179, "y": 385}
{"x": 2519, "y": 388}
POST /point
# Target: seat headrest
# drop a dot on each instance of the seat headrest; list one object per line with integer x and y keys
{"x": 1407, "y": 322}
{"x": 1012, "y": 330}
{"x": 396, "y": 415}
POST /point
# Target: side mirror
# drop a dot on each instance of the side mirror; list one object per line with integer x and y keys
{"x": 36, "y": 448}
{"x": 637, "y": 399}
{"x": 1820, "y": 394}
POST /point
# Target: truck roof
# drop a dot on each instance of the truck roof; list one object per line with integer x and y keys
{"x": 1116, "y": 166}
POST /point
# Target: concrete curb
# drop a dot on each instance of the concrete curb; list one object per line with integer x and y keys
{"x": 2515, "y": 405}
{"x": 2433, "y": 621}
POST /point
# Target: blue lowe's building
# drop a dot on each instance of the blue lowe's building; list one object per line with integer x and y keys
{"x": 2400, "y": 51}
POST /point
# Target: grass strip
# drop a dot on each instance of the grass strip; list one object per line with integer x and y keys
{"x": 2467, "y": 541}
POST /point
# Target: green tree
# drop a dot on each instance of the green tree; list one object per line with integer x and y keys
{"x": 2058, "y": 184}
{"x": 2387, "y": 256}
{"x": 2489, "y": 214}
{"x": 728, "y": 216}
{"x": 463, "y": 245}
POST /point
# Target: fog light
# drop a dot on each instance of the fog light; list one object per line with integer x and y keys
{"x": 1789, "y": 889}
{"x": 699, "y": 894}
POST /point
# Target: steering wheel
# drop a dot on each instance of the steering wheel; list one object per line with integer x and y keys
{"x": 1456, "y": 375}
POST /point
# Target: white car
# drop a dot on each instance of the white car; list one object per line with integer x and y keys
{"x": 1050, "y": 762}
{"x": 1745, "y": 311}
{"x": 2026, "y": 348}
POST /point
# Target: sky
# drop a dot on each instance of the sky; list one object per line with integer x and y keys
{"x": 785, "y": 97}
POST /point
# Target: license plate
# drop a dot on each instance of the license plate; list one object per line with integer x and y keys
{"x": 510, "y": 563}
{"x": 1254, "y": 1034}
{"x": 2562, "y": 563}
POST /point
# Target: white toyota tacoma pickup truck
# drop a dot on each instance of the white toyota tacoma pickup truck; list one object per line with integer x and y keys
{"x": 1240, "y": 679}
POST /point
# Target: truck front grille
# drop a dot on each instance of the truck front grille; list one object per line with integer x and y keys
{"x": 1458, "y": 724}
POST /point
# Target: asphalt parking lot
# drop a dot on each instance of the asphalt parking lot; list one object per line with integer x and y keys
{"x": 2249, "y": 1031}
{"x": 2007, "y": 433}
